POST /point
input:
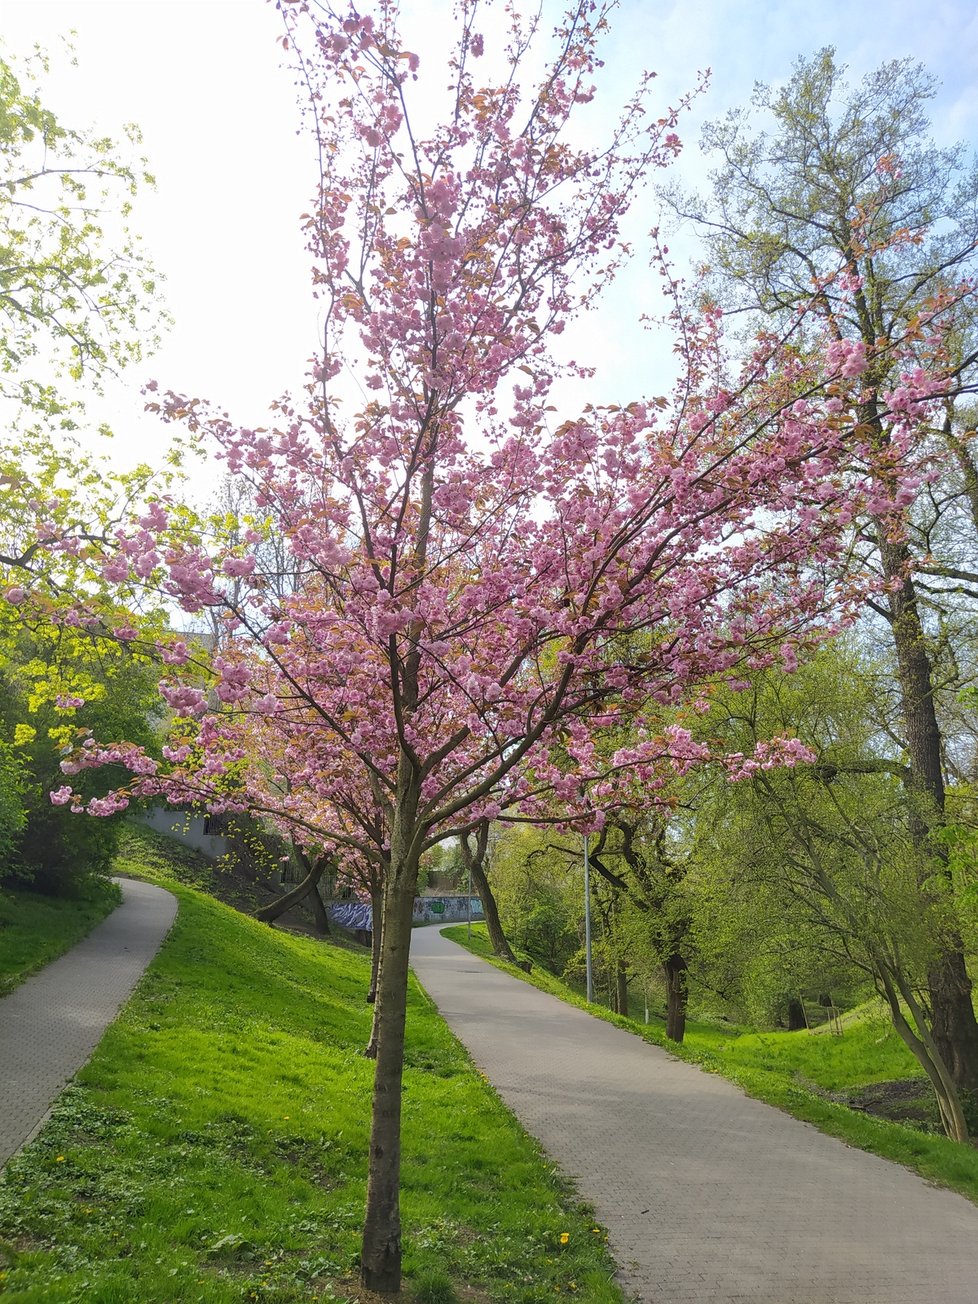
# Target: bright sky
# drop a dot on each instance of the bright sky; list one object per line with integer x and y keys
{"x": 203, "y": 80}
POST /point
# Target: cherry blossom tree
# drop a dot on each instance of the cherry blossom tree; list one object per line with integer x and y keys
{"x": 495, "y": 605}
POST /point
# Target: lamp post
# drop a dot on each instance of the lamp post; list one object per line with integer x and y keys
{"x": 468, "y": 905}
{"x": 587, "y": 924}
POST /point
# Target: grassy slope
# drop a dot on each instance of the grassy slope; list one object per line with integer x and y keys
{"x": 35, "y": 929}
{"x": 214, "y": 1148}
{"x": 780, "y": 1068}
{"x": 869, "y": 1051}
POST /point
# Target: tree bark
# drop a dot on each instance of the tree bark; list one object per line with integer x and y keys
{"x": 621, "y": 989}
{"x": 796, "y": 1015}
{"x": 377, "y": 965}
{"x": 954, "y": 1027}
{"x": 969, "y": 471}
{"x": 953, "y": 1017}
{"x": 921, "y": 1044}
{"x": 474, "y": 859}
{"x": 376, "y": 918}
{"x": 275, "y": 909}
{"x": 319, "y": 911}
{"x": 674, "y": 967}
{"x": 380, "y": 1259}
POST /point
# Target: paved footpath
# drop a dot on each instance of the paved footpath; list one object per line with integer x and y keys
{"x": 51, "y": 1023}
{"x": 709, "y": 1197}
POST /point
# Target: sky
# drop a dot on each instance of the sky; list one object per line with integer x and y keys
{"x": 204, "y": 81}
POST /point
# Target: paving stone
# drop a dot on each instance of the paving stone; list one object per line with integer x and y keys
{"x": 709, "y": 1197}
{"x": 51, "y": 1023}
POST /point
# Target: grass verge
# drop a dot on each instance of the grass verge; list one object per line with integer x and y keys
{"x": 214, "y": 1149}
{"x": 783, "y": 1068}
{"x": 36, "y": 929}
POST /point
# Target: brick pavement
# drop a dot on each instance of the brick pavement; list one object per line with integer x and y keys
{"x": 51, "y": 1023}
{"x": 709, "y": 1197}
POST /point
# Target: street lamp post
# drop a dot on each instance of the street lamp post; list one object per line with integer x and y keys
{"x": 587, "y": 924}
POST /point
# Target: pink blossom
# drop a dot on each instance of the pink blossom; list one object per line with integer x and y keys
{"x": 175, "y": 654}
{"x": 239, "y": 566}
{"x": 846, "y": 358}
{"x": 183, "y": 699}
{"x": 110, "y": 805}
{"x": 116, "y": 570}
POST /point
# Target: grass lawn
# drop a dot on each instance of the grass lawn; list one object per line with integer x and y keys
{"x": 214, "y": 1149}
{"x": 791, "y": 1070}
{"x": 869, "y": 1051}
{"x": 35, "y": 929}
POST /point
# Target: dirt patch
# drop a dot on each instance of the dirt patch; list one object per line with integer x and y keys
{"x": 905, "y": 1100}
{"x": 356, "y": 1294}
{"x": 360, "y": 1295}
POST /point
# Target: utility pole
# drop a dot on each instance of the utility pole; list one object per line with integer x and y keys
{"x": 587, "y": 924}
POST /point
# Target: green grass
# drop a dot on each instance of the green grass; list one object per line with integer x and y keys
{"x": 214, "y": 1149}
{"x": 790, "y": 1070}
{"x": 869, "y": 1051}
{"x": 35, "y": 929}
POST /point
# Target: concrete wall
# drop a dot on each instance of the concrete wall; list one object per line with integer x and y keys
{"x": 189, "y": 828}
{"x": 453, "y": 908}
{"x": 355, "y": 915}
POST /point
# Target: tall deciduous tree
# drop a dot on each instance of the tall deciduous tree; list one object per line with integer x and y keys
{"x": 76, "y": 293}
{"x": 469, "y": 570}
{"x": 633, "y": 852}
{"x": 833, "y": 843}
{"x": 816, "y": 173}
{"x": 474, "y": 847}
{"x": 53, "y": 682}
{"x": 78, "y": 302}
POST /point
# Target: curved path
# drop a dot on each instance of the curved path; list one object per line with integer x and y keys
{"x": 51, "y": 1023}
{"x": 709, "y": 1197}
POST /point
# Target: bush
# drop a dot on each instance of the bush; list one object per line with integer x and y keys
{"x": 543, "y": 931}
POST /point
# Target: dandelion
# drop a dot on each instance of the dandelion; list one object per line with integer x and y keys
{"x": 59, "y": 1159}
{"x": 564, "y": 1237}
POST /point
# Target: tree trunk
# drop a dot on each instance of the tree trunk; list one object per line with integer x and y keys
{"x": 376, "y": 965}
{"x": 376, "y": 917}
{"x": 278, "y": 907}
{"x": 968, "y": 469}
{"x": 674, "y": 968}
{"x": 953, "y": 1018}
{"x": 621, "y": 989}
{"x": 474, "y": 860}
{"x": 319, "y": 911}
{"x": 955, "y": 1029}
{"x": 796, "y": 1015}
{"x": 923, "y": 1047}
{"x": 380, "y": 1259}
